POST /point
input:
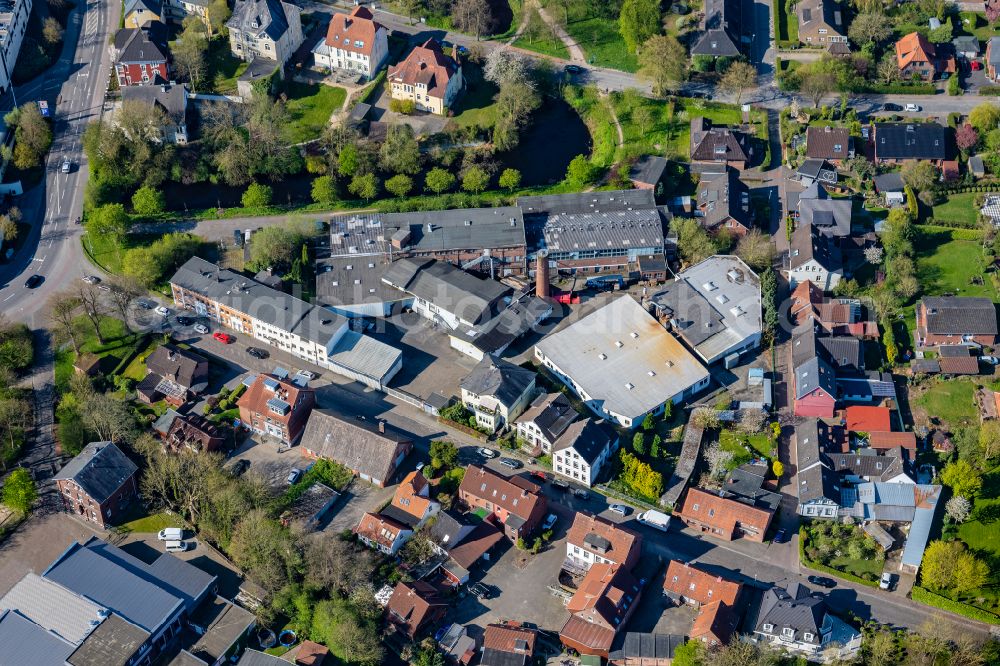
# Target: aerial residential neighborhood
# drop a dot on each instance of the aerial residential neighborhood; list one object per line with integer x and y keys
{"x": 500, "y": 333}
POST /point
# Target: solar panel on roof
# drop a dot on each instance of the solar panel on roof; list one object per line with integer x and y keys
{"x": 278, "y": 406}
{"x": 280, "y": 372}
{"x": 271, "y": 384}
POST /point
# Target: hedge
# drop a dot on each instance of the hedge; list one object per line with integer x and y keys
{"x": 803, "y": 537}
{"x": 900, "y": 89}
{"x": 956, "y": 233}
{"x": 989, "y": 90}
{"x": 929, "y": 598}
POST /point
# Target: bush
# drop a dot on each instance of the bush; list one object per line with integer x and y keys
{"x": 954, "y": 86}
{"x": 404, "y": 106}
{"x": 257, "y": 196}
{"x": 989, "y": 90}
{"x": 925, "y": 596}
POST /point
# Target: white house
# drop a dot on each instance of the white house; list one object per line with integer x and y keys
{"x": 812, "y": 256}
{"x": 797, "y": 621}
{"x": 581, "y": 452}
{"x": 547, "y": 418}
{"x": 410, "y": 509}
{"x": 268, "y": 29}
{"x": 354, "y": 43}
{"x": 594, "y": 540}
{"x": 497, "y": 392}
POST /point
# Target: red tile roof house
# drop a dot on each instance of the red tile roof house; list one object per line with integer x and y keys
{"x": 354, "y": 43}
{"x": 508, "y": 644}
{"x": 863, "y": 418}
{"x": 276, "y": 408}
{"x": 98, "y": 484}
{"x": 955, "y": 320}
{"x": 686, "y": 583}
{"x": 194, "y": 433}
{"x": 428, "y": 77}
{"x": 916, "y": 55}
{"x": 414, "y": 607}
{"x": 594, "y": 540}
{"x": 724, "y": 518}
{"x": 837, "y": 316}
{"x": 715, "y": 625}
{"x": 514, "y": 503}
{"x": 601, "y": 607}
{"x": 410, "y": 509}
{"x": 141, "y": 55}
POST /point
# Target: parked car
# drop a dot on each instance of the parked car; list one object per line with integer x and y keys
{"x": 33, "y": 281}
{"x": 162, "y": 311}
{"x": 550, "y": 521}
{"x": 308, "y": 374}
{"x": 481, "y": 590}
{"x": 176, "y": 546}
{"x": 294, "y": 475}
{"x": 581, "y": 493}
{"x": 144, "y": 304}
{"x": 912, "y": 108}
{"x": 780, "y": 536}
{"x": 201, "y": 328}
{"x": 885, "y": 582}
{"x": 224, "y": 338}
{"x": 487, "y": 453}
{"x": 620, "y": 509}
{"x": 560, "y": 485}
{"x": 573, "y": 69}
{"x": 239, "y": 467}
{"x": 822, "y": 581}
{"x": 512, "y": 463}
{"x": 184, "y": 321}
{"x": 170, "y": 534}
{"x": 540, "y": 475}
{"x": 257, "y": 352}
{"x": 992, "y": 360}
{"x": 91, "y": 279}
{"x": 889, "y": 106}
{"x": 653, "y": 518}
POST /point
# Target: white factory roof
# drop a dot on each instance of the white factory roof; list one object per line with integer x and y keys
{"x": 621, "y": 356}
{"x": 50, "y": 605}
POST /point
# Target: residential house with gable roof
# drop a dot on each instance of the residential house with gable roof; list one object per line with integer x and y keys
{"x": 812, "y": 256}
{"x": 896, "y": 143}
{"x": 140, "y": 13}
{"x": 915, "y": 55}
{"x": 372, "y": 453}
{"x": 465, "y": 540}
{"x": 714, "y": 148}
{"x": 415, "y": 607}
{"x": 724, "y": 202}
{"x": 99, "y": 484}
{"x": 724, "y": 517}
{"x": 195, "y": 433}
{"x": 600, "y": 608}
{"x": 173, "y": 374}
{"x": 410, "y": 509}
{"x": 956, "y": 320}
{"x": 508, "y": 644}
{"x": 354, "y": 43}
{"x": 827, "y": 215}
{"x": 722, "y": 30}
{"x": 265, "y": 30}
{"x": 497, "y": 392}
{"x": 821, "y": 22}
{"x": 427, "y": 77}
{"x": 833, "y": 144}
{"x": 582, "y": 451}
{"x": 141, "y": 55}
{"x": 541, "y": 424}
{"x": 818, "y": 487}
{"x": 796, "y": 620}
{"x": 687, "y": 583}
{"x": 836, "y": 316}
{"x": 277, "y": 408}
{"x": 715, "y": 624}
{"x": 594, "y": 540}
{"x": 171, "y": 100}
{"x": 514, "y": 504}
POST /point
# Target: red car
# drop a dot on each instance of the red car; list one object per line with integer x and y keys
{"x": 222, "y": 337}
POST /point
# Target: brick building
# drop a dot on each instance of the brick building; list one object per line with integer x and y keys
{"x": 514, "y": 503}
{"x": 98, "y": 484}
{"x": 276, "y": 408}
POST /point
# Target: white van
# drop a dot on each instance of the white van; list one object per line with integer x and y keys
{"x": 176, "y": 546}
{"x": 657, "y": 519}
{"x": 170, "y": 534}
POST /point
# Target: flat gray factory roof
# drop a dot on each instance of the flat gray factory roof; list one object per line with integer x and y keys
{"x": 354, "y": 279}
{"x": 50, "y": 605}
{"x": 358, "y": 233}
{"x": 586, "y": 202}
{"x": 460, "y": 229}
{"x": 637, "y": 228}
{"x": 621, "y": 355}
{"x": 364, "y": 355}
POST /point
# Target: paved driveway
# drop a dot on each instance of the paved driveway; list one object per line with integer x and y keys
{"x": 37, "y": 543}
{"x": 148, "y": 548}
{"x": 266, "y": 461}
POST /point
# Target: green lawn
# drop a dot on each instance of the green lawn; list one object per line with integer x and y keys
{"x": 736, "y": 443}
{"x": 946, "y": 265}
{"x": 588, "y": 103}
{"x": 117, "y": 343}
{"x": 829, "y": 544}
{"x": 223, "y": 67}
{"x": 310, "y": 106}
{"x": 599, "y": 38}
{"x": 152, "y": 524}
{"x": 476, "y": 107}
{"x": 978, "y": 26}
{"x": 538, "y": 37}
{"x": 951, "y": 400}
{"x": 786, "y": 23}
{"x": 958, "y": 209}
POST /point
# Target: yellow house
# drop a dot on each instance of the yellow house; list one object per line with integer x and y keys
{"x": 428, "y": 77}
{"x": 139, "y": 13}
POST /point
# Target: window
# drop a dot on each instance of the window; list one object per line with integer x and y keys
{"x": 694, "y": 508}
{"x": 768, "y": 627}
{"x": 787, "y": 632}
{"x": 807, "y": 637}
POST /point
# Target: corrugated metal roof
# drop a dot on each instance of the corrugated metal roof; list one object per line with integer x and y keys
{"x": 364, "y": 355}
{"x": 24, "y": 642}
{"x": 52, "y": 606}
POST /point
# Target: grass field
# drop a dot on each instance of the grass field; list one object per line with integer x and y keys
{"x": 152, "y": 524}
{"x": 958, "y": 209}
{"x": 223, "y": 67}
{"x": 597, "y": 36}
{"x": 310, "y": 106}
{"x": 786, "y": 22}
{"x": 476, "y": 107}
{"x": 946, "y": 265}
{"x": 117, "y": 343}
{"x": 538, "y": 37}
{"x": 952, "y": 401}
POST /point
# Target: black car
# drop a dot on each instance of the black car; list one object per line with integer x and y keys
{"x": 145, "y": 305}
{"x": 239, "y": 467}
{"x": 33, "y": 281}
{"x": 257, "y": 352}
{"x": 822, "y": 581}
{"x": 889, "y": 106}
{"x": 573, "y": 69}
{"x": 513, "y": 463}
{"x": 184, "y": 321}
{"x": 481, "y": 590}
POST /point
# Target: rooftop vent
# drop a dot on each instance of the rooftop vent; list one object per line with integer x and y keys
{"x": 629, "y": 386}
{"x": 619, "y": 344}
{"x": 602, "y": 356}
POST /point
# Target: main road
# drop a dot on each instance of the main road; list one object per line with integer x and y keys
{"x": 74, "y": 88}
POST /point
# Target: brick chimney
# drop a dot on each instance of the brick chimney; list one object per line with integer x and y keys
{"x": 542, "y": 274}
{"x": 381, "y": 426}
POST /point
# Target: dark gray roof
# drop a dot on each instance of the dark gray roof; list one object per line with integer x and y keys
{"x": 813, "y": 441}
{"x": 113, "y": 643}
{"x": 966, "y": 43}
{"x": 223, "y": 623}
{"x": 460, "y": 229}
{"x": 818, "y": 169}
{"x": 648, "y": 169}
{"x": 844, "y": 353}
{"x": 360, "y": 448}
{"x": 639, "y": 646}
{"x": 552, "y": 413}
{"x": 261, "y": 17}
{"x": 587, "y": 437}
{"x": 524, "y": 311}
{"x": 450, "y": 528}
{"x": 172, "y": 99}
{"x": 498, "y": 378}
{"x": 180, "y": 576}
{"x": 958, "y": 315}
{"x": 723, "y": 197}
{"x": 586, "y": 202}
{"x": 142, "y": 45}
{"x": 889, "y": 182}
{"x": 722, "y": 27}
{"x": 867, "y": 463}
{"x": 152, "y": 6}
{"x": 827, "y": 215}
{"x": 124, "y": 584}
{"x": 910, "y": 141}
{"x": 179, "y": 365}
{"x": 255, "y": 658}
{"x": 100, "y": 469}
{"x": 350, "y": 280}
{"x": 716, "y": 144}
{"x": 258, "y": 68}
{"x": 746, "y": 482}
{"x": 493, "y": 657}
{"x": 793, "y": 608}
{"x": 814, "y": 373}
{"x": 243, "y": 294}
{"x": 471, "y": 298}
{"x": 24, "y": 642}
{"x": 185, "y": 658}
{"x": 927, "y": 365}
{"x": 808, "y": 245}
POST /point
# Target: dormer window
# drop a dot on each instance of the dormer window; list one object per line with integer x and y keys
{"x": 768, "y": 627}
{"x": 807, "y": 637}
{"x": 788, "y": 632}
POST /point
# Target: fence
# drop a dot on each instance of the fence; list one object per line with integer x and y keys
{"x": 411, "y": 399}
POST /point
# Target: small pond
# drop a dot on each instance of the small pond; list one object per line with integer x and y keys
{"x": 556, "y": 135}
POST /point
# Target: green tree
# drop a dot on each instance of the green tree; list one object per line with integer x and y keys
{"x": 364, "y": 185}
{"x": 148, "y": 201}
{"x": 323, "y": 190}
{"x": 640, "y": 477}
{"x": 648, "y": 423}
{"x": 510, "y": 179}
{"x": 475, "y": 179}
{"x": 218, "y": 13}
{"x": 668, "y": 410}
{"x": 109, "y": 220}
{"x": 190, "y": 54}
{"x": 438, "y": 180}
{"x": 399, "y": 185}
{"x": 663, "y": 62}
{"x": 688, "y": 654}
{"x": 400, "y": 152}
{"x": 639, "y": 443}
{"x": 19, "y": 491}
{"x": 920, "y": 175}
{"x": 264, "y": 549}
{"x": 962, "y": 478}
{"x": 444, "y": 454}
{"x": 985, "y": 117}
{"x": 778, "y": 468}
{"x": 349, "y": 160}
{"x": 693, "y": 242}
{"x": 942, "y": 34}
{"x": 32, "y": 136}
{"x": 580, "y": 171}
{"x": 949, "y": 566}
{"x": 638, "y": 21}
{"x": 654, "y": 448}
{"x": 257, "y": 195}
{"x": 52, "y": 32}
{"x": 889, "y": 342}
{"x": 872, "y": 27}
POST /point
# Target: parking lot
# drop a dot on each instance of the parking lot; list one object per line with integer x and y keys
{"x": 430, "y": 364}
{"x": 265, "y": 460}
{"x": 36, "y": 543}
